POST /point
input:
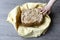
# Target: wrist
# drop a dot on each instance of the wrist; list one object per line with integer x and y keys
{"x": 51, "y": 2}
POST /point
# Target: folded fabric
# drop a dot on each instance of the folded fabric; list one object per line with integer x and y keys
{"x": 14, "y": 17}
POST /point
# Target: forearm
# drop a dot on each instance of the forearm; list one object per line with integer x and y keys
{"x": 51, "y": 2}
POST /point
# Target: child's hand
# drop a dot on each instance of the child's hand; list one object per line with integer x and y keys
{"x": 46, "y": 9}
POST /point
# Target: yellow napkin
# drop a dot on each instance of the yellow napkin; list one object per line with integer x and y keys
{"x": 14, "y": 17}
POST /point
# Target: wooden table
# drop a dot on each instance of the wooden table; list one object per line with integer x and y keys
{"x": 7, "y": 31}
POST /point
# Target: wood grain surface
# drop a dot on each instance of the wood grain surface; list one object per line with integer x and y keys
{"x": 7, "y": 31}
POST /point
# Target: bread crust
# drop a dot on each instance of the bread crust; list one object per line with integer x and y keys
{"x": 31, "y": 17}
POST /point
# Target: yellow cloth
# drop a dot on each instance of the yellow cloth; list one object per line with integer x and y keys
{"x": 14, "y": 18}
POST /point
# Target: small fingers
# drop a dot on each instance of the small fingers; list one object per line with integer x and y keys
{"x": 44, "y": 12}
